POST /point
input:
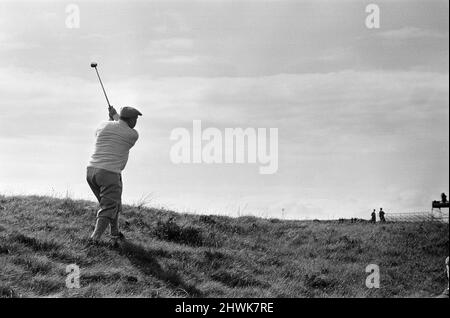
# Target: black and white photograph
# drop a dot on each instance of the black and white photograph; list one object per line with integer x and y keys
{"x": 220, "y": 156}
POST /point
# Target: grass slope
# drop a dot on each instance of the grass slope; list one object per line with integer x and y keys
{"x": 173, "y": 255}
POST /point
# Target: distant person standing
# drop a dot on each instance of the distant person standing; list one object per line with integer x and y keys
{"x": 381, "y": 215}
{"x": 374, "y": 216}
{"x": 444, "y": 198}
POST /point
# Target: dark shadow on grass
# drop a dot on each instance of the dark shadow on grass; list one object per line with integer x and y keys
{"x": 37, "y": 245}
{"x": 144, "y": 260}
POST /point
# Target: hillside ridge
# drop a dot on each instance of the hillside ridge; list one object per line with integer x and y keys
{"x": 167, "y": 254}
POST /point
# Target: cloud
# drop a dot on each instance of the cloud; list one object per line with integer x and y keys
{"x": 10, "y": 43}
{"x": 172, "y": 51}
{"x": 179, "y": 60}
{"x": 170, "y": 45}
{"x": 177, "y": 51}
{"x": 409, "y": 33}
{"x": 356, "y": 131}
{"x": 342, "y": 134}
{"x": 389, "y": 108}
{"x": 172, "y": 22}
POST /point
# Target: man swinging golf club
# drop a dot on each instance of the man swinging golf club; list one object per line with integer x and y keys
{"x": 113, "y": 141}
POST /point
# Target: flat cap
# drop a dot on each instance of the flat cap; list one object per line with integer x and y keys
{"x": 129, "y": 112}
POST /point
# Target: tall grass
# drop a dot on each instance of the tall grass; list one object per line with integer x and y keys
{"x": 183, "y": 255}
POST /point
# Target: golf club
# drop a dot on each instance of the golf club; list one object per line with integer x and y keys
{"x": 94, "y": 65}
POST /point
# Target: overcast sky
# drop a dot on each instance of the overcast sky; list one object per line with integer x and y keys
{"x": 362, "y": 114}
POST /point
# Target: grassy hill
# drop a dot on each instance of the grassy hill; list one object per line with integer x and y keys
{"x": 177, "y": 255}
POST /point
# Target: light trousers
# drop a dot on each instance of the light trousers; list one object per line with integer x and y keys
{"x": 107, "y": 188}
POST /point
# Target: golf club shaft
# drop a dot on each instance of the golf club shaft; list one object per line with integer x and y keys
{"x": 104, "y": 92}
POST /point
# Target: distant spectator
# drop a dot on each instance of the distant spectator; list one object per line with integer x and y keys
{"x": 374, "y": 216}
{"x": 381, "y": 215}
{"x": 444, "y": 198}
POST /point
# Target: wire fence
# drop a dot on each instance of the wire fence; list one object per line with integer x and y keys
{"x": 428, "y": 216}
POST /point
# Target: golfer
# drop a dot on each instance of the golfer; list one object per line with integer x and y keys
{"x": 113, "y": 141}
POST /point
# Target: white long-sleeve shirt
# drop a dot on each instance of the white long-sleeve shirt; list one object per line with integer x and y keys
{"x": 113, "y": 142}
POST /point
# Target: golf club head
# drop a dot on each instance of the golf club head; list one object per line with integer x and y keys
{"x": 93, "y": 64}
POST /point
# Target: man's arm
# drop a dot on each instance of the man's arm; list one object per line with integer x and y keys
{"x": 113, "y": 116}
